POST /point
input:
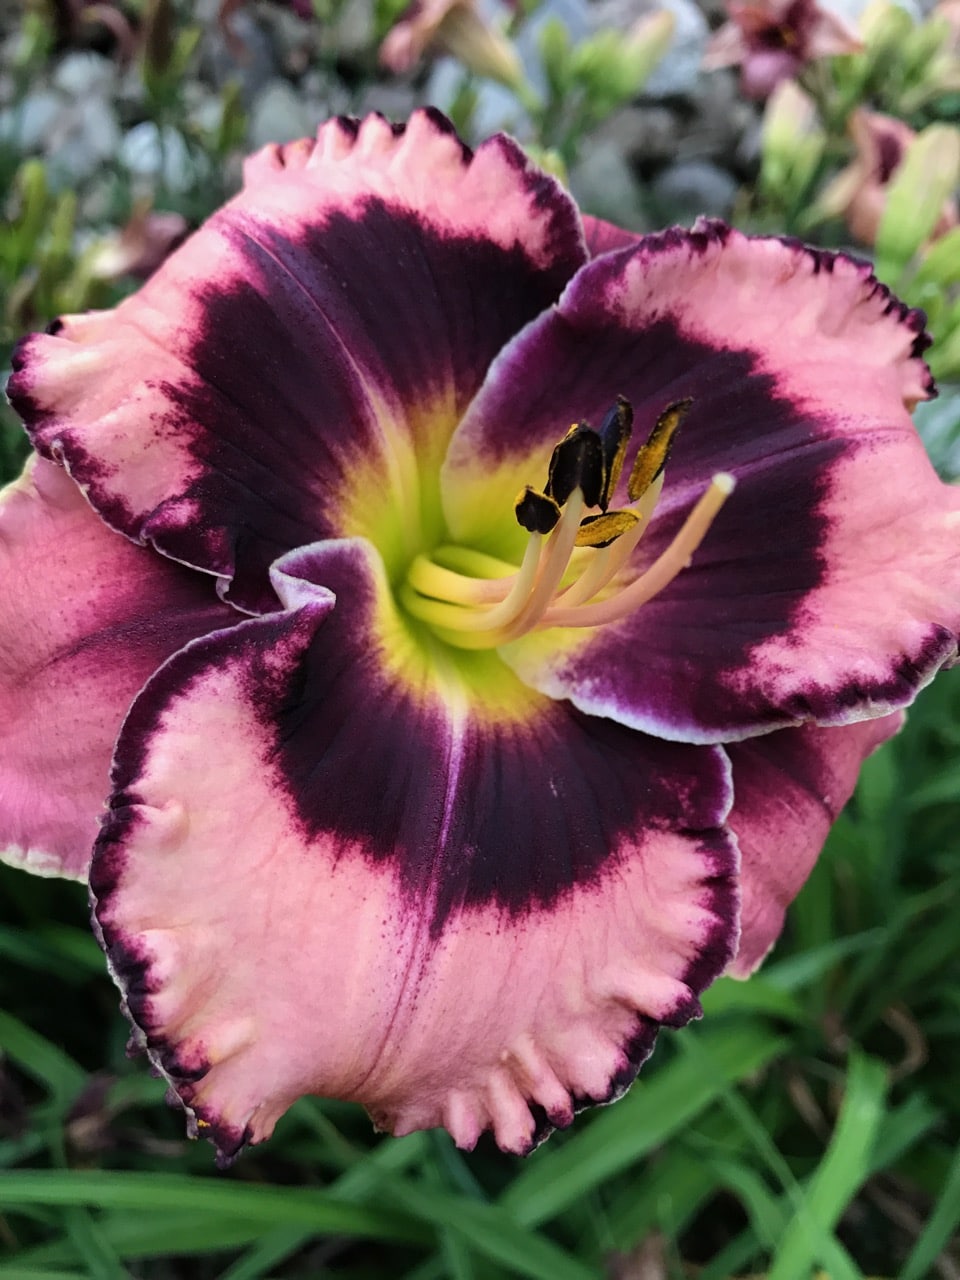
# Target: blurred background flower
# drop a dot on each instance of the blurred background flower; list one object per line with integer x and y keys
{"x": 774, "y": 40}
{"x": 859, "y": 193}
{"x": 454, "y": 27}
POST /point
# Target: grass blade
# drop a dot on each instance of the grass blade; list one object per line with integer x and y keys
{"x": 935, "y": 1236}
{"x": 158, "y": 1192}
{"x": 844, "y": 1169}
{"x": 647, "y": 1117}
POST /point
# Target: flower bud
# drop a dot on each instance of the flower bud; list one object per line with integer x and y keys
{"x": 919, "y": 201}
{"x": 454, "y": 27}
{"x": 792, "y": 142}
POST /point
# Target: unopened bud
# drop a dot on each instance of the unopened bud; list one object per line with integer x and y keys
{"x": 919, "y": 199}
{"x": 480, "y": 47}
{"x": 454, "y": 27}
{"x": 158, "y": 37}
{"x": 647, "y": 42}
{"x": 792, "y": 141}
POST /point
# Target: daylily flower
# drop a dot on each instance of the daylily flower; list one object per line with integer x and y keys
{"x": 455, "y": 750}
{"x": 773, "y": 40}
{"x": 859, "y": 192}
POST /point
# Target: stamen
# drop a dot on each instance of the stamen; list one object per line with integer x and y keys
{"x": 663, "y": 570}
{"x": 554, "y": 565}
{"x": 614, "y": 433}
{"x": 474, "y": 601}
{"x": 577, "y": 463}
{"x": 480, "y": 579}
{"x": 652, "y": 457}
{"x": 513, "y": 604}
{"x": 538, "y": 578}
{"x": 606, "y": 564}
{"x": 475, "y": 564}
{"x": 535, "y": 511}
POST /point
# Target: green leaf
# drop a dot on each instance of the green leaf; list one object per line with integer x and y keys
{"x": 753, "y": 996}
{"x": 155, "y": 1235}
{"x": 93, "y": 1249}
{"x": 651, "y": 1113}
{"x": 842, "y": 1172}
{"x": 925, "y": 178}
{"x": 939, "y": 1229}
{"x": 808, "y": 967}
{"x": 28, "y": 1273}
{"x": 492, "y": 1232}
{"x": 155, "y": 1193}
{"x": 41, "y": 1059}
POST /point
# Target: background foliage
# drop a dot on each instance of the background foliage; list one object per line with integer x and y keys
{"x": 809, "y": 1125}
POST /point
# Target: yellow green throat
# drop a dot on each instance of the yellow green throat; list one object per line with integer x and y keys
{"x": 575, "y": 569}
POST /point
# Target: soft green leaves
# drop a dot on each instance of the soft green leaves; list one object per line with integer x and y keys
{"x": 928, "y": 174}
{"x": 612, "y": 67}
{"x": 792, "y": 146}
{"x": 589, "y": 80}
{"x": 841, "y": 1174}
{"x": 651, "y": 1114}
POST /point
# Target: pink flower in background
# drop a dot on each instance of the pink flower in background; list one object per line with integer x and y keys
{"x": 859, "y": 192}
{"x": 949, "y": 11}
{"x": 454, "y": 751}
{"x": 773, "y": 40}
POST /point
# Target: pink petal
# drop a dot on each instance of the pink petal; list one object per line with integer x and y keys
{"x": 727, "y": 48}
{"x": 85, "y": 618}
{"x": 828, "y": 587}
{"x": 789, "y": 788}
{"x": 764, "y": 69}
{"x": 831, "y": 34}
{"x": 331, "y": 867}
{"x": 408, "y": 38}
{"x": 309, "y": 351}
{"x": 775, "y": 39}
{"x": 604, "y": 237}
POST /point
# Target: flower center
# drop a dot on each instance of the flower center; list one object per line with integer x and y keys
{"x": 575, "y": 571}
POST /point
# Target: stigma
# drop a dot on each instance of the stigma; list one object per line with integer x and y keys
{"x": 576, "y": 569}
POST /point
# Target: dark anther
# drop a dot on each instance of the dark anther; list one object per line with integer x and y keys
{"x": 577, "y": 463}
{"x": 592, "y": 461}
{"x": 536, "y": 512}
{"x": 652, "y": 457}
{"x": 614, "y": 436}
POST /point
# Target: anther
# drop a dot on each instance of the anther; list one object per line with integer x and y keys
{"x": 535, "y": 511}
{"x": 577, "y": 463}
{"x": 478, "y": 603}
{"x": 615, "y": 431}
{"x": 652, "y": 457}
{"x": 600, "y": 531}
